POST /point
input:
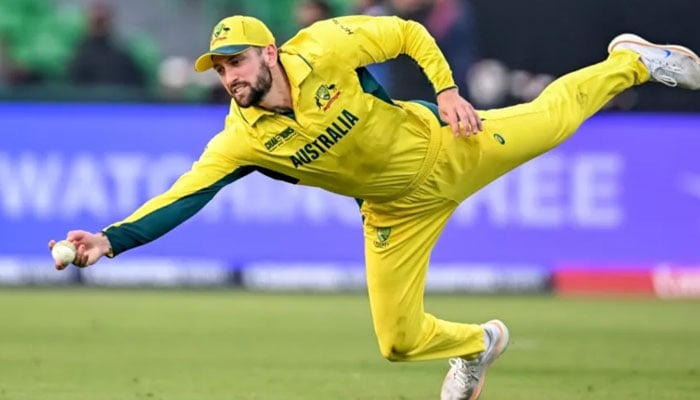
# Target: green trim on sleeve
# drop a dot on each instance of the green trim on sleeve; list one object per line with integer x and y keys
{"x": 154, "y": 225}
{"x": 447, "y": 88}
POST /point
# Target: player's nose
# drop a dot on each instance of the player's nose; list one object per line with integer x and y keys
{"x": 231, "y": 76}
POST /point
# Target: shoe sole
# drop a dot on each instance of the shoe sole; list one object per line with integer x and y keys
{"x": 501, "y": 346}
{"x": 634, "y": 39}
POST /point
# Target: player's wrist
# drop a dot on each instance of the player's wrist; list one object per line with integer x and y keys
{"x": 104, "y": 244}
{"x": 448, "y": 89}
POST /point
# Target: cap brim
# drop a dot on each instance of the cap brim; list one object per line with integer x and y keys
{"x": 204, "y": 62}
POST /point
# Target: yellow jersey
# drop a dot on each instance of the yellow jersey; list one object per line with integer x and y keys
{"x": 345, "y": 134}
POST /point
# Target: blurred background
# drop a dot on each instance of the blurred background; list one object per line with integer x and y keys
{"x": 501, "y": 51}
{"x": 100, "y": 109}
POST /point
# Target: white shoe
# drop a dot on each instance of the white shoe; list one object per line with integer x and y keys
{"x": 671, "y": 65}
{"x": 465, "y": 378}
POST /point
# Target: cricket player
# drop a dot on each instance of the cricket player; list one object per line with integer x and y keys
{"x": 309, "y": 113}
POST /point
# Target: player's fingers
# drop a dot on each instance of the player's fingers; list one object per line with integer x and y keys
{"x": 472, "y": 124}
{"x": 471, "y": 118}
{"x": 479, "y": 122}
{"x": 51, "y": 244}
{"x": 475, "y": 121}
{"x": 80, "y": 256}
{"x": 461, "y": 128}
{"x": 84, "y": 256}
{"x": 451, "y": 119}
{"x": 466, "y": 126}
{"x": 75, "y": 236}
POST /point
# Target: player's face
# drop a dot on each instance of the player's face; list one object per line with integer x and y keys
{"x": 245, "y": 75}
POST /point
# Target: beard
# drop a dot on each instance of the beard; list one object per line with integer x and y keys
{"x": 256, "y": 91}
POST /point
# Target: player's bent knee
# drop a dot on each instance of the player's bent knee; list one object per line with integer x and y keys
{"x": 396, "y": 349}
{"x": 393, "y": 355}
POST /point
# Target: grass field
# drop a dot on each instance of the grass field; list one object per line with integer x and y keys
{"x": 92, "y": 344}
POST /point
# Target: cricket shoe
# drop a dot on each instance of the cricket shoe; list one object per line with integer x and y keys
{"x": 465, "y": 378}
{"x": 671, "y": 65}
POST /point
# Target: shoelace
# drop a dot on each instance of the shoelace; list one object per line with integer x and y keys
{"x": 465, "y": 373}
{"x": 660, "y": 72}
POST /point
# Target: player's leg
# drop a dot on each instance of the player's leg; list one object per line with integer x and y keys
{"x": 398, "y": 246}
{"x": 397, "y": 253}
{"x": 514, "y": 135}
{"x": 517, "y": 134}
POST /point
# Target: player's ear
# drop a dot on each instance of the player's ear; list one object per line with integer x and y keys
{"x": 269, "y": 54}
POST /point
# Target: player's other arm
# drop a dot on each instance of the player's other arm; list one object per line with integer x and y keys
{"x": 159, "y": 215}
{"x": 363, "y": 40}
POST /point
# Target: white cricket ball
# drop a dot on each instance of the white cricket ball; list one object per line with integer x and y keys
{"x": 63, "y": 252}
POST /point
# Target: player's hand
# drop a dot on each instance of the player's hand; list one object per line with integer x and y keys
{"x": 458, "y": 113}
{"x": 90, "y": 247}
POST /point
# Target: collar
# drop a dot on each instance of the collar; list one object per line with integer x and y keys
{"x": 297, "y": 69}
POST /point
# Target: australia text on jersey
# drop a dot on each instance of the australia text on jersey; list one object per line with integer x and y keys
{"x": 340, "y": 127}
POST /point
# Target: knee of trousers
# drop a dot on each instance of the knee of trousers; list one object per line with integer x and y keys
{"x": 397, "y": 345}
{"x": 564, "y": 116}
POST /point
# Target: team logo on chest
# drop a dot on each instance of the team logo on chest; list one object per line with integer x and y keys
{"x": 326, "y": 95}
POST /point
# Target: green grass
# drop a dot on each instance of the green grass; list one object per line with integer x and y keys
{"x": 92, "y": 344}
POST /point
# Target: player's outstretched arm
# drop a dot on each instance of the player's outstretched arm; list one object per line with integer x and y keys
{"x": 90, "y": 247}
{"x": 216, "y": 168}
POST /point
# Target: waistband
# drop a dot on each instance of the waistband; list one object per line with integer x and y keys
{"x": 434, "y": 145}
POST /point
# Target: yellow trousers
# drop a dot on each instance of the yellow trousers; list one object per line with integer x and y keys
{"x": 400, "y": 235}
